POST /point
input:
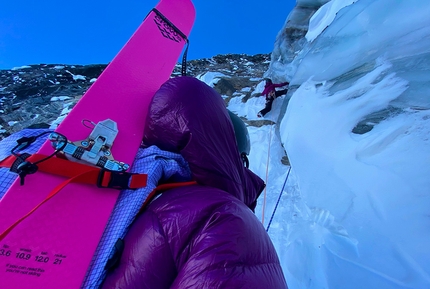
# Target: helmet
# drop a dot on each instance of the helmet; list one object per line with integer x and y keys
{"x": 242, "y": 137}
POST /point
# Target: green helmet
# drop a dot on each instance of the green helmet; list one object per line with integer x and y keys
{"x": 242, "y": 137}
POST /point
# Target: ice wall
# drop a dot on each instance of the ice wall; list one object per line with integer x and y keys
{"x": 357, "y": 132}
{"x": 290, "y": 39}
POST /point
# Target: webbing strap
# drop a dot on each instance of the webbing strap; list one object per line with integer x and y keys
{"x": 76, "y": 173}
{"x": 88, "y": 174}
{"x": 70, "y": 169}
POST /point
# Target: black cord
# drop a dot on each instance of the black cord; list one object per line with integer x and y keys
{"x": 25, "y": 167}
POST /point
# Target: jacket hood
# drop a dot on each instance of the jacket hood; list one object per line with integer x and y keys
{"x": 189, "y": 117}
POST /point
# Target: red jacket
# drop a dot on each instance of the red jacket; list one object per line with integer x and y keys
{"x": 206, "y": 235}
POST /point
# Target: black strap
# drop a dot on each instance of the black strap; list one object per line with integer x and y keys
{"x": 16, "y": 166}
{"x": 117, "y": 250}
{"x": 245, "y": 160}
{"x": 177, "y": 30}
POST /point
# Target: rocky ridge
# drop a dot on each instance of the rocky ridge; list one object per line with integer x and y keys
{"x": 38, "y": 95}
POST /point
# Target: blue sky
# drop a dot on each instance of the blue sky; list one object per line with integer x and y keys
{"x": 92, "y": 32}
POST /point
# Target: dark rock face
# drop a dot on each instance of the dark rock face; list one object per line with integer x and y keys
{"x": 36, "y": 95}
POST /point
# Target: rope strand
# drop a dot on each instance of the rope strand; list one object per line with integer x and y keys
{"x": 279, "y": 198}
{"x": 267, "y": 176}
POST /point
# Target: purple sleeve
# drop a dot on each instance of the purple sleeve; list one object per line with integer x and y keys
{"x": 147, "y": 260}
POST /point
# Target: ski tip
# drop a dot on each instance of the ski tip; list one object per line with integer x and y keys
{"x": 181, "y": 13}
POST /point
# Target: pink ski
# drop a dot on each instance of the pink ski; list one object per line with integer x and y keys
{"x": 53, "y": 246}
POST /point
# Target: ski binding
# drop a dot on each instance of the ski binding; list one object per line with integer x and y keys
{"x": 95, "y": 149}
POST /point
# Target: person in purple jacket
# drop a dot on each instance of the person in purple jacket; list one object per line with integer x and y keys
{"x": 204, "y": 235}
{"x": 271, "y": 93}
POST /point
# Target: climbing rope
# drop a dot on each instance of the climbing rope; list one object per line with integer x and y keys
{"x": 267, "y": 176}
{"x": 279, "y": 198}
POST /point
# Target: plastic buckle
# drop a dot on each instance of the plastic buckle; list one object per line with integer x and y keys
{"x": 118, "y": 180}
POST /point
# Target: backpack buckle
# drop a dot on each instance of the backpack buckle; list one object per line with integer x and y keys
{"x": 117, "y": 180}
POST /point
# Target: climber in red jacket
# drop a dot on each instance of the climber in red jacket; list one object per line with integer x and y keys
{"x": 271, "y": 93}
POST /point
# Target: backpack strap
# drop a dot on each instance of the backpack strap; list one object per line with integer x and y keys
{"x": 113, "y": 261}
{"x": 82, "y": 173}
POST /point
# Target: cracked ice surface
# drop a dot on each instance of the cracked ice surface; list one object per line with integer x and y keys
{"x": 361, "y": 205}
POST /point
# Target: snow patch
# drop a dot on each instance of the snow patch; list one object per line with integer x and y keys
{"x": 211, "y": 78}
{"x": 60, "y": 98}
{"x": 77, "y": 76}
{"x": 21, "y": 67}
{"x": 324, "y": 16}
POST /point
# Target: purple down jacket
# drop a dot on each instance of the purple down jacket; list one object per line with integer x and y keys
{"x": 206, "y": 235}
